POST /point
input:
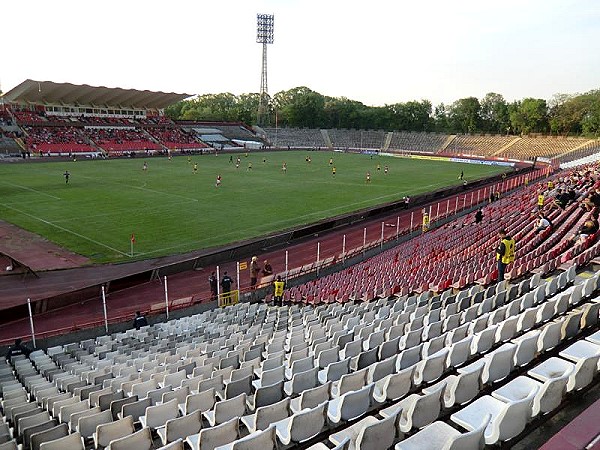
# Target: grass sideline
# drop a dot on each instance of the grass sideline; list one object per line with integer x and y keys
{"x": 170, "y": 209}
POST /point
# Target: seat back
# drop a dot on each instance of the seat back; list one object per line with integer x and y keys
{"x": 108, "y": 432}
{"x": 237, "y": 387}
{"x": 512, "y": 419}
{"x": 136, "y": 409}
{"x": 175, "y": 379}
{"x": 267, "y": 395}
{"x": 353, "y": 381}
{"x": 398, "y": 384}
{"x": 218, "y": 435}
{"x": 227, "y": 409}
{"x": 425, "y": 410}
{"x": 158, "y": 415}
{"x": 71, "y": 442}
{"x": 203, "y": 401}
{"x": 305, "y": 380}
{"x": 338, "y": 369}
{"x": 140, "y": 440}
{"x": 307, "y": 423}
{"x": 66, "y": 411}
{"x": 472, "y": 440}
{"x": 259, "y": 440}
{"x": 356, "y": 403}
{"x": 184, "y": 426}
{"x": 265, "y": 415}
{"x": 311, "y": 398}
{"x": 51, "y": 434}
{"x": 378, "y": 435}
{"x": 142, "y": 389}
{"x": 178, "y": 394}
{"x": 381, "y": 369}
{"x": 86, "y": 425}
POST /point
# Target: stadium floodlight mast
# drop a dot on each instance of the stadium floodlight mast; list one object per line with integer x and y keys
{"x": 264, "y": 36}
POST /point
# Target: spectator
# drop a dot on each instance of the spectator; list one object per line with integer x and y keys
{"x": 478, "y": 216}
{"x": 267, "y": 269}
{"x": 505, "y": 253}
{"x": 17, "y": 349}
{"x": 139, "y": 321}
{"x": 542, "y": 223}
{"x": 589, "y": 227}
{"x": 593, "y": 200}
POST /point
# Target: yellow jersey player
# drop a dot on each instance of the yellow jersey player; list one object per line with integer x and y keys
{"x": 333, "y": 171}
{"x": 284, "y": 167}
{"x": 195, "y": 169}
{"x": 368, "y": 179}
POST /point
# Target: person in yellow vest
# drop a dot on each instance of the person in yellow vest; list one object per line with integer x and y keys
{"x": 540, "y": 201}
{"x": 526, "y": 181}
{"x": 550, "y": 185}
{"x": 425, "y": 221}
{"x": 505, "y": 253}
{"x": 278, "y": 288}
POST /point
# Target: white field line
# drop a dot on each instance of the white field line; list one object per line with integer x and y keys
{"x": 32, "y": 190}
{"x": 66, "y": 230}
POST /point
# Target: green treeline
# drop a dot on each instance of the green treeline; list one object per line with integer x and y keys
{"x": 577, "y": 114}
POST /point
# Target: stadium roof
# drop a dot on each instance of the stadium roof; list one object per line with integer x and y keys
{"x": 48, "y": 92}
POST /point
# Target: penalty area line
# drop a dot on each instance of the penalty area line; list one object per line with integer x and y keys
{"x": 39, "y": 219}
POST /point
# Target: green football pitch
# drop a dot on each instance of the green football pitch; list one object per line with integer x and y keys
{"x": 170, "y": 209}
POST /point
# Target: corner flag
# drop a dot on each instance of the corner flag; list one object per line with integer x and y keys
{"x": 132, "y": 242}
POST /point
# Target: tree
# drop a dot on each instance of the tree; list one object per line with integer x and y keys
{"x": 529, "y": 115}
{"x": 464, "y": 115}
{"x": 494, "y": 113}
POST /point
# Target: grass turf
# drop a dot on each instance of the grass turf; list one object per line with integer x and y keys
{"x": 171, "y": 209}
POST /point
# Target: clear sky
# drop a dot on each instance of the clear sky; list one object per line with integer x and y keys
{"x": 378, "y": 52}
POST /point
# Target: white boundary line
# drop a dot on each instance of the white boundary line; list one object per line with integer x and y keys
{"x": 32, "y": 190}
{"x": 66, "y": 230}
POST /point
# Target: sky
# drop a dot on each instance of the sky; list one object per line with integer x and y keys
{"x": 377, "y": 52}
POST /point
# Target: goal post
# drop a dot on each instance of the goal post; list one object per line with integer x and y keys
{"x": 229, "y": 298}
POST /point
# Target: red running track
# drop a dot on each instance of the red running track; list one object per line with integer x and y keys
{"x": 185, "y": 287}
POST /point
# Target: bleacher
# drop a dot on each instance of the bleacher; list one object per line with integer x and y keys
{"x": 545, "y": 146}
{"x": 118, "y": 140}
{"x": 375, "y": 367}
{"x": 295, "y": 137}
{"x": 417, "y": 142}
{"x": 175, "y": 138}
{"x": 57, "y": 140}
{"x": 484, "y": 145}
{"x": 411, "y": 372}
{"x": 365, "y": 139}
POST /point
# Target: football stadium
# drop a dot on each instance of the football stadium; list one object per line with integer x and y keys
{"x": 297, "y": 271}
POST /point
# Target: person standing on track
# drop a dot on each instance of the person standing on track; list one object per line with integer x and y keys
{"x": 254, "y": 271}
{"x": 212, "y": 281}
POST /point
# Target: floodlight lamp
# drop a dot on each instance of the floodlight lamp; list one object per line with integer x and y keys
{"x": 264, "y": 28}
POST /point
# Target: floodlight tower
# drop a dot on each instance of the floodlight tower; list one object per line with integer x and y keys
{"x": 264, "y": 36}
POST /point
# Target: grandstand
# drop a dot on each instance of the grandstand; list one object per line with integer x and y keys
{"x": 413, "y": 345}
{"x": 62, "y": 119}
